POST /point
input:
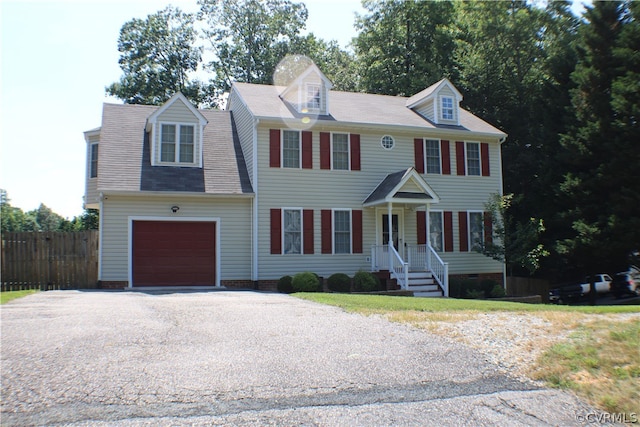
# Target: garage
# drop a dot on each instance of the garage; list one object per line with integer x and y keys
{"x": 173, "y": 253}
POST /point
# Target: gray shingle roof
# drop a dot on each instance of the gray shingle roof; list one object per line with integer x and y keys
{"x": 124, "y": 156}
{"x": 356, "y": 108}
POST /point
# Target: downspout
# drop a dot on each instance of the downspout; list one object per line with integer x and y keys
{"x": 504, "y": 265}
{"x": 254, "y": 205}
{"x": 100, "y": 228}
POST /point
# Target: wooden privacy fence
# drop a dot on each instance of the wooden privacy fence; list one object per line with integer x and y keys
{"x": 49, "y": 260}
{"x": 526, "y": 286}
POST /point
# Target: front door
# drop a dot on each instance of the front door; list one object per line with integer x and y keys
{"x": 394, "y": 227}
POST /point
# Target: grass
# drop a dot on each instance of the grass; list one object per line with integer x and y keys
{"x": 5, "y": 297}
{"x": 372, "y": 304}
{"x": 599, "y": 360}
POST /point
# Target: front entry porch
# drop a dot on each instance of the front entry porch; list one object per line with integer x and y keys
{"x": 419, "y": 269}
{"x": 414, "y": 267}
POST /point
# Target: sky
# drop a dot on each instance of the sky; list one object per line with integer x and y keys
{"x": 56, "y": 59}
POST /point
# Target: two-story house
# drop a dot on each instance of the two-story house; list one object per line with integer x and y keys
{"x": 294, "y": 178}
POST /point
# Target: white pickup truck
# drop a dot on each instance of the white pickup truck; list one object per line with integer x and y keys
{"x": 602, "y": 282}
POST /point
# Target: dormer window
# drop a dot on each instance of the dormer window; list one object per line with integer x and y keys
{"x": 313, "y": 96}
{"x": 177, "y": 142}
{"x": 447, "y": 108}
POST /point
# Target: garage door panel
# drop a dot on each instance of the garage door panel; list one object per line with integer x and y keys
{"x": 173, "y": 253}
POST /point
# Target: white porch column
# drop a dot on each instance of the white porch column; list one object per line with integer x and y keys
{"x": 390, "y": 225}
{"x": 390, "y": 221}
{"x": 427, "y": 208}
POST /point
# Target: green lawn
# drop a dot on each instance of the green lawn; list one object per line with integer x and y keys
{"x": 599, "y": 360}
{"x": 5, "y": 297}
{"x": 381, "y": 304}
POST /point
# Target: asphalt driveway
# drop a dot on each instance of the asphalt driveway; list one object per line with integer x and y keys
{"x": 245, "y": 358}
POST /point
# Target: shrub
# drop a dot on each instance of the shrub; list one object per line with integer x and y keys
{"x": 339, "y": 282}
{"x": 461, "y": 288}
{"x": 284, "y": 284}
{"x": 474, "y": 294}
{"x": 497, "y": 291}
{"x": 487, "y": 286}
{"x": 306, "y": 282}
{"x": 364, "y": 281}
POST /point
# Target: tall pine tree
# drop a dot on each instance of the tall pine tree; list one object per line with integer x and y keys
{"x": 602, "y": 151}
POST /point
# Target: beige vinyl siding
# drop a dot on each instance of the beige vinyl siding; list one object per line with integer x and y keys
{"x": 178, "y": 113}
{"x": 234, "y": 229}
{"x": 91, "y": 184}
{"x": 244, "y": 125}
{"x": 426, "y": 110}
{"x": 329, "y": 189}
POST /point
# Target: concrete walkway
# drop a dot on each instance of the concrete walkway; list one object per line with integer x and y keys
{"x": 246, "y": 358}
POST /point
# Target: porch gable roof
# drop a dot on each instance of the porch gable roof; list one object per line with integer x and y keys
{"x": 390, "y": 190}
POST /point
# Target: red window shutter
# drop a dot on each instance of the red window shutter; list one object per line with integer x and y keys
{"x": 356, "y": 231}
{"x": 276, "y": 231}
{"x": 325, "y": 224}
{"x": 418, "y": 154}
{"x": 307, "y": 150}
{"x": 488, "y": 228}
{"x": 421, "y": 218}
{"x": 464, "y": 236}
{"x": 448, "y": 231}
{"x": 307, "y": 231}
{"x": 325, "y": 150}
{"x": 460, "y": 166}
{"x": 355, "y": 151}
{"x": 484, "y": 154}
{"x": 274, "y": 148}
{"x": 445, "y": 152}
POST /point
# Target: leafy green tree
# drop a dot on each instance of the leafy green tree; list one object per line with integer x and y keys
{"x": 403, "y": 46}
{"x": 337, "y": 64}
{"x": 517, "y": 244}
{"x": 248, "y": 38}
{"x": 601, "y": 150}
{"x": 158, "y": 54}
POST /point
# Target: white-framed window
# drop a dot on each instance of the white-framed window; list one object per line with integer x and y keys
{"x": 473, "y": 158}
{"x": 447, "y": 108}
{"x": 292, "y": 231}
{"x": 177, "y": 143}
{"x": 291, "y": 152}
{"x": 93, "y": 160}
{"x": 341, "y": 231}
{"x": 387, "y": 142}
{"x": 312, "y": 96}
{"x": 432, "y": 154}
{"x": 476, "y": 231}
{"x": 340, "y": 151}
{"x": 436, "y": 230}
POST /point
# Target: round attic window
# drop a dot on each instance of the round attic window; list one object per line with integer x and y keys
{"x": 387, "y": 142}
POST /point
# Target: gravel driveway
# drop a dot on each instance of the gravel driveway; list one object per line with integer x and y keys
{"x": 229, "y": 358}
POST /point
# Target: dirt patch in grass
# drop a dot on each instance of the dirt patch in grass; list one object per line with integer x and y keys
{"x": 599, "y": 361}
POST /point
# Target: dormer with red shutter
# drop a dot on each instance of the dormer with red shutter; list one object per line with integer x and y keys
{"x": 309, "y": 92}
{"x": 440, "y": 103}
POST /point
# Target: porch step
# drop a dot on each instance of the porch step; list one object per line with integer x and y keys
{"x": 422, "y": 284}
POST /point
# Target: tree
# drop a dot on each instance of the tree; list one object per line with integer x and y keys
{"x": 601, "y": 150}
{"x": 403, "y": 46}
{"x": 248, "y": 38}
{"x": 157, "y": 56}
{"x": 517, "y": 244}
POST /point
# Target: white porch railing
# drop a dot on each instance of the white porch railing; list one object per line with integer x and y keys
{"x": 419, "y": 258}
{"x": 400, "y": 270}
{"x": 382, "y": 258}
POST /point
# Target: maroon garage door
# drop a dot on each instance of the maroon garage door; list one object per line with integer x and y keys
{"x": 174, "y": 253}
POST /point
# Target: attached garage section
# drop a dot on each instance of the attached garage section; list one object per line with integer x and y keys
{"x": 173, "y": 253}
